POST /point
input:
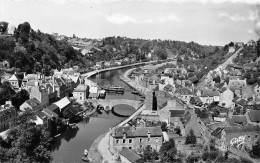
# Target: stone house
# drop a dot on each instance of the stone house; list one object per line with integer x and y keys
{"x": 128, "y": 156}
{"x": 52, "y": 93}
{"x": 40, "y": 93}
{"x": 185, "y": 94}
{"x": 171, "y": 105}
{"x": 63, "y": 104}
{"x": 209, "y": 96}
{"x": 239, "y": 137}
{"x": 41, "y": 119}
{"x": 226, "y": 97}
{"x": 32, "y": 104}
{"x": 135, "y": 138}
{"x": 81, "y": 92}
{"x": 7, "y": 115}
{"x": 14, "y": 81}
{"x": 256, "y": 89}
{"x": 236, "y": 83}
{"x": 248, "y": 93}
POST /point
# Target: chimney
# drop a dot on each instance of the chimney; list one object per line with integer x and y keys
{"x": 53, "y": 83}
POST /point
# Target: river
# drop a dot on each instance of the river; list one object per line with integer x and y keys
{"x": 70, "y": 145}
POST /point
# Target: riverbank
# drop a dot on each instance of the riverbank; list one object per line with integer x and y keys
{"x": 94, "y": 152}
{"x": 88, "y": 74}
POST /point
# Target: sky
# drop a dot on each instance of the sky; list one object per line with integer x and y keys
{"x": 208, "y": 22}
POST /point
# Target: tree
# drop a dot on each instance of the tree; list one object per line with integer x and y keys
{"x": 168, "y": 151}
{"x": 164, "y": 126}
{"x": 191, "y": 138}
{"x": 3, "y": 27}
{"x": 28, "y": 142}
{"x": 6, "y": 92}
{"x": 20, "y": 98}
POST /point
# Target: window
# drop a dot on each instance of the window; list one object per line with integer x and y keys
{"x": 156, "y": 139}
{"x": 256, "y": 136}
{"x": 130, "y": 141}
{"x": 248, "y": 136}
{"x": 130, "y": 147}
{"x": 141, "y": 140}
{"x": 124, "y": 141}
{"x": 117, "y": 141}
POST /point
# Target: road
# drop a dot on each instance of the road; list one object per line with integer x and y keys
{"x": 221, "y": 66}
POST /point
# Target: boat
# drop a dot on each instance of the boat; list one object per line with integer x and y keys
{"x": 134, "y": 92}
{"x": 57, "y": 135}
{"x": 114, "y": 88}
{"x": 72, "y": 124}
{"x": 86, "y": 152}
{"x": 87, "y": 159}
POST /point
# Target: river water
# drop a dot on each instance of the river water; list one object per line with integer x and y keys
{"x": 70, "y": 145}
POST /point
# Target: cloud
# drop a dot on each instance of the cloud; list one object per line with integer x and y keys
{"x": 238, "y": 18}
{"x": 123, "y": 19}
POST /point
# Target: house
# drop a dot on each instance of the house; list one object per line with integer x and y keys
{"x": 93, "y": 88}
{"x": 32, "y": 104}
{"x": 195, "y": 100}
{"x": 237, "y": 120}
{"x": 135, "y": 138}
{"x": 231, "y": 49}
{"x": 128, "y": 156}
{"x": 248, "y": 93}
{"x": 226, "y": 97}
{"x": 171, "y": 105}
{"x": 41, "y": 119}
{"x": 53, "y": 108}
{"x": 118, "y": 62}
{"x": 253, "y": 117}
{"x": 63, "y": 104}
{"x": 52, "y": 93}
{"x": 208, "y": 96}
{"x": 185, "y": 94}
{"x": 251, "y": 43}
{"x": 256, "y": 89}
{"x": 100, "y": 65}
{"x": 60, "y": 87}
{"x": 239, "y": 137}
{"x": 81, "y": 92}
{"x": 236, "y": 83}
{"x": 107, "y": 64}
{"x": 14, "y": 81}
{"x": 40, "y": 93}
{"x": 7, "y": 115}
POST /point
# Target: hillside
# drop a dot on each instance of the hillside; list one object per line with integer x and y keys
{"x": 31, "y": 51}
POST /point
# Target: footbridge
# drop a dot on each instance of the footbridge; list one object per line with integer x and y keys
{"x": 108, "y": 104}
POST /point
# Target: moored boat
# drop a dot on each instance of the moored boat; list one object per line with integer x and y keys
{"x": 86, "y": 159}
{"x": 86, "y": 152}
{"x": 135, "y": 92}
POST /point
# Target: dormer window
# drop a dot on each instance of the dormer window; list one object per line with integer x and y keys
{"x": 124, "y": 135}
{"x": 148, "y": 134}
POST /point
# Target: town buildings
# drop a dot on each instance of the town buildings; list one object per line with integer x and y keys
{"x": 7, "y": 115}
{"x": 135, "y": 138}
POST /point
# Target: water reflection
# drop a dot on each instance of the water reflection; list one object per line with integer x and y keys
{"x": 70, "y": 145}
{"x": 69, "y": 134}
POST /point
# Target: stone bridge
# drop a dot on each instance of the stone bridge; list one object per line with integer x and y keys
{"x": 108, "y": 104}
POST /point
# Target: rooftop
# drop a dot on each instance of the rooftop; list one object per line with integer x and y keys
{"x": 138, "y": 131}
{"x": 254, "y": 115}
{"x": 81, "y": 88}
{"x": 63, "y": 102}
{"x": 129, "y": 155}
{"x": 241, "y": 129}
